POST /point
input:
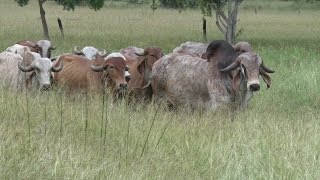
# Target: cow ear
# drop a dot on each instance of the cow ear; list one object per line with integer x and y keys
{"x": 236, "y": 81}
{"x": 141, "y": 67}
{"x": 266, "y": 78}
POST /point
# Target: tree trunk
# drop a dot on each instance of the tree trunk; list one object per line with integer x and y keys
{"x": 43, "y": 20}
{"x": 228, "y": 24}
{"x": 234, "y": 16}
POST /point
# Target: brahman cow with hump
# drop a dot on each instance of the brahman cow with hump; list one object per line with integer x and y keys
{"x": 199, "y": 49}
{"x": 183, "y": 79}
{"x": 80, "y": 74}
{"x": 140, "y": 67}
{"x": 37, "y": 70}
{"x": 43, "y": 47}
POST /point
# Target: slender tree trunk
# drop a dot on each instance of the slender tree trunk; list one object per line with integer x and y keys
{"x": 227, "y": 24}
{"x": 43, "y": 20}
{"x": 234, "y": 16}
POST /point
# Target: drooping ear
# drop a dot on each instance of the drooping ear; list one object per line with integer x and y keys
{"x": 266, "y": 78}
{"x": 236, "y": 81}
{"x": 141, "y": 67}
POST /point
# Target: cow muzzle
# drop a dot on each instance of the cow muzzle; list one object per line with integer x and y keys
{"x": 123, "y": 86}
{"x": 254, "y": 85}
{"x": 45, "y": 87}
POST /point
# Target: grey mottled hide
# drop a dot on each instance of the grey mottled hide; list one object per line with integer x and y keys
{"x": 195, "y": 48}
{"x": 185, "y": 79}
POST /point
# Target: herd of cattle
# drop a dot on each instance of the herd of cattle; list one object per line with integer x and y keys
{"x": 194, "y": 74}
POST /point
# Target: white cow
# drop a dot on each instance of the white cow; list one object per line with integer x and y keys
{"x": 37, "y": 70}
{"x": 89, "y": 52}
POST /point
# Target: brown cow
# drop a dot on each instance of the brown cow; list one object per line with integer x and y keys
{"x": 140, "y": 70}
{"x": 43, "y": 47}
{"x": 79, "y": 73}
{"x": 183, "y": 79}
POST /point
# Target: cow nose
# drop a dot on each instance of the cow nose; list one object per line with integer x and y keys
{"x": 128, "y": 78}
{"x": 123, "y": 86}
{"x": 254, "y": 87}
{"x": 46, "y": 87}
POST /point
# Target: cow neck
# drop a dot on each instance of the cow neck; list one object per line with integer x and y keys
{"x": 222, "y": 81}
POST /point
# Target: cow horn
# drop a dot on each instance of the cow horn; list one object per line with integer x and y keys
{"x": 52, "y": 47}
{"x": 25, "y": 68}
{"x": 140, "y": 54}
{"x": 103, "y": 53}
{"x": 266, "y": 69}
{"x": 77, "y": 50}
{"x": 57, "y": 69}
{"x": 34, "y": 45}
{"x": 231, "y": 67}
{"x": 97, "y": 68}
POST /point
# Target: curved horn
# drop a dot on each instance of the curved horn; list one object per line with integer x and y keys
{"x": 231, "y": 67}
{"x": 52, "y": 47}
{"x": 97, "y": 68}
{"x": 25, "y": 68}
{"x": 77, "y": 50}
{"x": 57, "y": 69}
{"x": 140, "y": 54}
{"x": 34, "y": 45}
{"x": 266, "y": 69}
{"x": 103, "y": 53}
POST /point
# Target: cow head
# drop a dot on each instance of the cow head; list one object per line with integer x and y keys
{"x": 242, "y": 47}
{"x": 89, "y": 52}
{"x": 41, "y": 69}
{"x": 147, "y": 59}
{"x": 248, "y": 66}
{"x": 45, "y": 48}
{"x": 113, "y": 68}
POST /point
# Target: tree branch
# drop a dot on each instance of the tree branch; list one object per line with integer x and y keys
{"x": 224, "y": 23}
{"x": 223, "y": 31}
{"x": 223, "y": 15}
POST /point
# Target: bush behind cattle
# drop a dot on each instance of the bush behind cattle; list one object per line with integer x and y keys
{"x": 277, "y": 137}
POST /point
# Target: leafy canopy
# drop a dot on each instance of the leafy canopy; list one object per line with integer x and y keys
{"x": 70, "y": 4}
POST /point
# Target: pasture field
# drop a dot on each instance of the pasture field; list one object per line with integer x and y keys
{"x": 57, "y": 136}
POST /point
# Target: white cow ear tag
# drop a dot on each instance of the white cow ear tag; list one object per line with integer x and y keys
{"x": 242, "y": 70}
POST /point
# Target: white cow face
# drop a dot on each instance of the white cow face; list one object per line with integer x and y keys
{"x": 42, "y": 68}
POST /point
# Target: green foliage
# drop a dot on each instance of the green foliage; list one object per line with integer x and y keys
{"x": 96, "y": 4}
{"x": 71, "y": 4}
{"x": 207, "y": 6}
{"x": 22, "y": 2}
{"x": 179, "y": 3}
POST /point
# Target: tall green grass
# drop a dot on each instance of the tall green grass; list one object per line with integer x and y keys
{"x": 74, "y": 137}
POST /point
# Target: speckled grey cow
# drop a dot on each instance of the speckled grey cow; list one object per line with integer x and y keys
{"x": 183, "y": 79}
